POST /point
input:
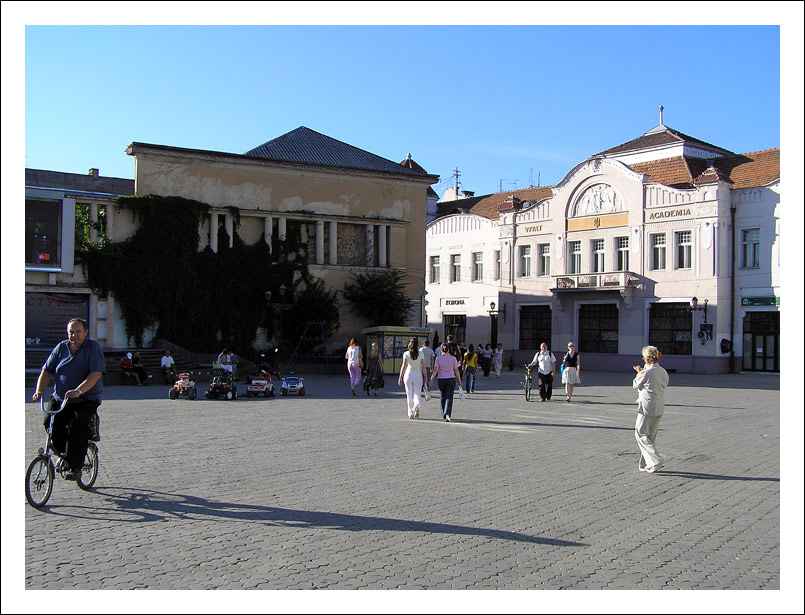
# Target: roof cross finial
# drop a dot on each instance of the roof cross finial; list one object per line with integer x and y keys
{"x": 661, "y": 109}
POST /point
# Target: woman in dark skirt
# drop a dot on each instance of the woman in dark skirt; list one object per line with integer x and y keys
{"x": 374, "y": 371}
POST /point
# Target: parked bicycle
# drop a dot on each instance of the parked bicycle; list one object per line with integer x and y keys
{"x": 527, "y": 382}
{"x": 43, "y": 468}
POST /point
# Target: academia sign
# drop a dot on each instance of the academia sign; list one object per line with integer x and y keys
{"x": 682, "y": 212}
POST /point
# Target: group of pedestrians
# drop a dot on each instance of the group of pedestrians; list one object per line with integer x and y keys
{"x": 76, "y": 365}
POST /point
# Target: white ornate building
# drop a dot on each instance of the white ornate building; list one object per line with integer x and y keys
{"x": 613, "y": 256}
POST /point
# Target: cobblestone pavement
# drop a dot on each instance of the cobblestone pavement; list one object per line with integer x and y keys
{"x": 330, "y": 491}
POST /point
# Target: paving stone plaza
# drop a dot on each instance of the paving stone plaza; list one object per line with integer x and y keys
{"x": 330, "y": 491}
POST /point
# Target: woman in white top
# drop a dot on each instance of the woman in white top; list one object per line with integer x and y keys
{"x": 353, "y": 357}
{"x": 413, "y": 373}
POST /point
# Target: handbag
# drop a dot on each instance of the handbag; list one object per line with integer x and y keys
{"x": 461, "y": 394}
{"x": 360, "y": 362}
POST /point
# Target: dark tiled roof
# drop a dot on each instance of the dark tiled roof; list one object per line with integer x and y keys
{"x": 38, "y": 178}
{"x": 310, "y": 147}
{"x": 488, "y": 205}
{"x": 656, "y": 139}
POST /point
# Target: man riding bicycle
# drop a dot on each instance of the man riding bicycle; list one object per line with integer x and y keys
{"x": 78, "y": 364}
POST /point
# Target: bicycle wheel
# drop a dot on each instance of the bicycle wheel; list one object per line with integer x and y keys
{"x": 528, "y": 390}
{"x": 89, "y": 471}
{"x": 39, "y": 481}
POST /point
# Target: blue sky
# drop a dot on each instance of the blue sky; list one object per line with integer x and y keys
{"x": 508, "y": 106}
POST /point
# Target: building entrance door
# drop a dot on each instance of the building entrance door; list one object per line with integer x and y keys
{"x": 493, "y": 330}
{"x": 761, "y": 342}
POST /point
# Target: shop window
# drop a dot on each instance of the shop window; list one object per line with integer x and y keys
{"x": 670, "y": 328}
{"x": 43, "y": 233}
{"x": 535, "y": 326}
{"x": 598, "y": 328}
{"x": 455, "y": 325}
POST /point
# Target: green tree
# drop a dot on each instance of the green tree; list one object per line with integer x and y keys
{"x": 379, "y": 298}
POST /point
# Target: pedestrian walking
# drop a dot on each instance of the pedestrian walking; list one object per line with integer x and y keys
{"x": 354, "y": 357}
{"x": 428, "y": 356}
{"x": 413, "y": 374}
{"x": 497, "y": 360}
{"x": 374, "y": 371}
{"x": 651, "y": 381}
{"x": 546, "y": 362}
{"x": 486, "y": 359}
{"x": 571, "y": 370}
{"x": 445, "y": 372}
{"x": 470, "y": 365}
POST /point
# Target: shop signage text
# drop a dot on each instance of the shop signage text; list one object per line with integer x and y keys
{"x": 672, "y": 213}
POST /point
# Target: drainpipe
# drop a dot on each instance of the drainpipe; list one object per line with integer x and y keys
{"x": 732, "y": 292}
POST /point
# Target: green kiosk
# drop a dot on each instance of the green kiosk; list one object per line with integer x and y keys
{"x": 393, "y": 342}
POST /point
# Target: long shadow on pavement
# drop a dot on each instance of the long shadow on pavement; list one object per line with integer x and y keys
{"x": 460, "y": 420}
{"x": 148, "y": 505}
{"x": 702, "y": 476}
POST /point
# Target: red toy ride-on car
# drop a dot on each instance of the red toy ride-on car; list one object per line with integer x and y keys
{"x": 183, "y": 386}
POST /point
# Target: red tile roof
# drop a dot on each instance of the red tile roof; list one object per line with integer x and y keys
{"x": 487, "y": 205}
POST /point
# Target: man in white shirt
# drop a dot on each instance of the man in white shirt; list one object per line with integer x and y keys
{"x": 428, "y": 357}
{"x": 546, "y": 363}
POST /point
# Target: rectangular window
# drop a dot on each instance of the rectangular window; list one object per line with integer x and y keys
{"x": 574, "y": 260}
{"x": 544, "y": 267}
{"x": 497, "y": 264}
{"x": 535, "y": 326}
{"x": 684, "y": 249}
{"x": 658, "y": 252}
{"x": 525, "y": 261}
{"x": 43, "y": 233}
{"x": 622, "y": 247}
{"x": 477, "y": 266}
{"x": 455, "y": 267}
{"x": 670, "y": 328}
{"x": 434, "y": 270}
{"x": 599, "y": 251}
{"x": 598, "y": 328}
{"x": 750, "y": 248}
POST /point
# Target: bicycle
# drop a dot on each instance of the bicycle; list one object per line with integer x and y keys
{"x": 527, "y": 382}
{"x": 42, "y": 469}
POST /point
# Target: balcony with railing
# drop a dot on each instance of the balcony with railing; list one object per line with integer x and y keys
{"x": 615, "y": 280}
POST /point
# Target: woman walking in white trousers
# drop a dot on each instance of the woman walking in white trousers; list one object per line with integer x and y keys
{"x": 413, "y": 374}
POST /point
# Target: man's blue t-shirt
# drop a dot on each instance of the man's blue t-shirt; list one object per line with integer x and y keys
{"x": 70, "y": 370}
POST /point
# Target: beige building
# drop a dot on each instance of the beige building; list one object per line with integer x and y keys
{"x": 357, "y": 212}
{"x": 664, "y": 240}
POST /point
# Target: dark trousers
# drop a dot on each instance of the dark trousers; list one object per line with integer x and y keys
{"x": 545, "y": 386}
{"x": 71, "y": 431}
{"x": 447, "y": 387}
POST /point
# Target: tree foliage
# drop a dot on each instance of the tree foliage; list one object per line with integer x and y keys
{"x": 379, "y": 298}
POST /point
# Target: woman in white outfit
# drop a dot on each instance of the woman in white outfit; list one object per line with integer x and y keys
{"x": 413, "y": 374}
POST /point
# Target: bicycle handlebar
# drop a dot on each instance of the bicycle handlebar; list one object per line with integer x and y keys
{"x": 42, "y": 405}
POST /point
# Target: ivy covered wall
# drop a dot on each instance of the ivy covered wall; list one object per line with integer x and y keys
{"x": 203, "y": 300}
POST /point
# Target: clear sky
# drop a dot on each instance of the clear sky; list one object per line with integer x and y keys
{"x": 509, "y": 106}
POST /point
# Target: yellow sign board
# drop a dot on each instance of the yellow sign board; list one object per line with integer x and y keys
{"x": 588, "y": 223}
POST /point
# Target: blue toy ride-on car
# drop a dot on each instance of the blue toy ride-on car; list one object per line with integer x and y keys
{"x": 292, "y": 384}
